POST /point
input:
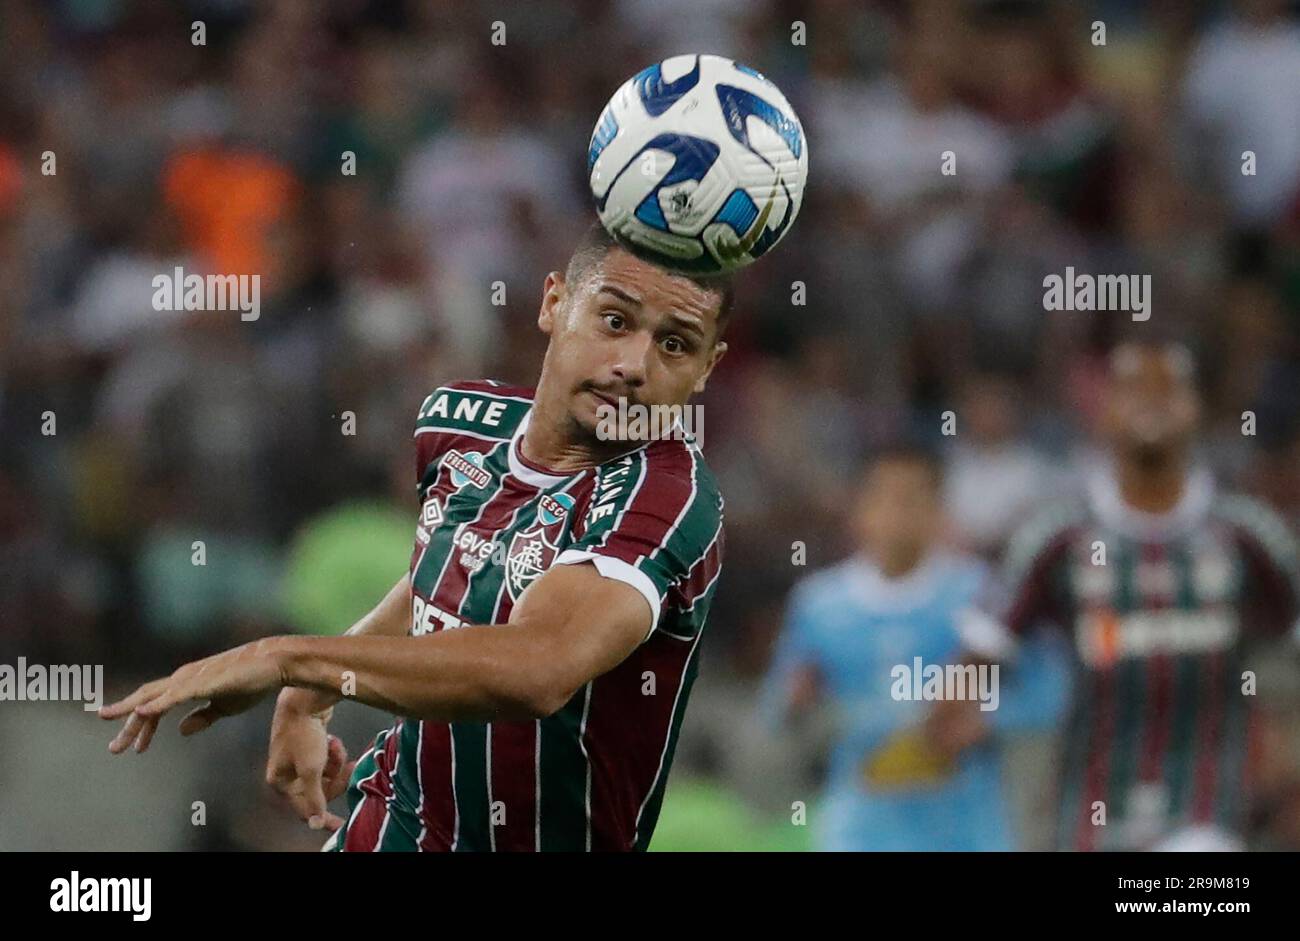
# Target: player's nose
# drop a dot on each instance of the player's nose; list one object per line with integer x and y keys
{"x": 633, "y": 353}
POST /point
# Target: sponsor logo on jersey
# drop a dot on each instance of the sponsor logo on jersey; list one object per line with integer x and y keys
{"x": 468, "y": 405}
{"x": 1104, "y": 637}
{"x": 554, "y": 509}
{"x": 467, "y": 468}
{"x": 531, "y": 554}
{"x": 611, "y": 485}
{"x": 475, "y": 551}
{"x": 427, "y": 618}
{"x": 430, "y": 519}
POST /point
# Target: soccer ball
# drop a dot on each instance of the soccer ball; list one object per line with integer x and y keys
{"x": 699, "y": 163}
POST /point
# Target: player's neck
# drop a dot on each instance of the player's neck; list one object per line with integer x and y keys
{"x": 551, "y": 445}
{"x": 1152, "y": 486}
{"x": 900, "y": 563}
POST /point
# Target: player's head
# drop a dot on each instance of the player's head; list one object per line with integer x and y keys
{"x": 1152, "y": 407}
{"x": 899, "y": 510}
{"x": 622, "y": 327}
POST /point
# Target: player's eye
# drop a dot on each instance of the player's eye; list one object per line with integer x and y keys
{"x": 614, "y": 320}
{"x": 674, "y": 345}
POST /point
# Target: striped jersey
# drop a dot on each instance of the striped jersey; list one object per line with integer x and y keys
{"x": 591, "y": 776}
{"x": 1161, "y": 612}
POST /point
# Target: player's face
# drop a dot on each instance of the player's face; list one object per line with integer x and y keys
{"x": 631, "y": 331}
{"x": 899, "y": 510}
{"x": 1151, "y": 407}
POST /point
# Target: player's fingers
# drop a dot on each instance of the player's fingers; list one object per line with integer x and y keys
{"x": 331, "y": 822}
{"x": 167, "y": 698}
{"x": 126, "y": 735}
{"x": 147, "y": 729}
{"x": 335, "y": 755}
{"x": 308, "y": 798}
{"x": 339, "y": 783}
{"x": 123, "y": 706}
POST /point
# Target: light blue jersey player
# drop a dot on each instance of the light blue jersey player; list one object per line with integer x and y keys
{"x": 872, "y": 640}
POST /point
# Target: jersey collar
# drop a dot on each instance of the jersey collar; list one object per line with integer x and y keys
{"x": 906, "y": 591}
{"x": 533, "y": 476}
{"x": 1109, "y": 505}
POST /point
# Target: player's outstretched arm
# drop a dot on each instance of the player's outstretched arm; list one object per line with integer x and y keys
{"x": 571, "y": 625}
{"x": 389, "y": 618}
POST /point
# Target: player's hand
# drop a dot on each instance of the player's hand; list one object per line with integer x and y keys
{"x": 955, "y": 725}
{"x": 306, "y": 764}
{"x": 232, "y": 682}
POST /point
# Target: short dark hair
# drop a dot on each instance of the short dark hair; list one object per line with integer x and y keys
{"x": 596, "y": 243}
{"x": 907, "y": 451}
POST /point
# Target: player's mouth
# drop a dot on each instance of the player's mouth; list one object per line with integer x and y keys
{"x": 605, "y": 398}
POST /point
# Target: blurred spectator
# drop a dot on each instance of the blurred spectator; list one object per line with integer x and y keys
{"x": 1240, "y": 83}
{"x": 995, "y": 478}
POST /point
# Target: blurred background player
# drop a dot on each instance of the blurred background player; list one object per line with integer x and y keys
{"x": 1163, "y": 582}
{"x": 896, "y": 781}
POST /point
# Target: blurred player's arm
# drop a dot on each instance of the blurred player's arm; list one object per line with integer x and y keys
{"x": 1272, "y": 572}
{"x": 793, "y": 687}
{"x": 1039, "y": 687}
{"x": 999, "y": 630}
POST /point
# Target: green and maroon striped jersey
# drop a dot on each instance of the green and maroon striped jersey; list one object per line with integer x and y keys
{"x": 1160, "y": 611}
{"x": 591, "y": 776}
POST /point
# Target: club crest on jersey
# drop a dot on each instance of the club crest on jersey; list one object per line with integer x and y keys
{"x": 531, "y": 554}
{"x": 554, "y": 509}
{"x": 467, "y": 468}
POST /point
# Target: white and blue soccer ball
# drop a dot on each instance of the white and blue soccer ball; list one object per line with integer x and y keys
{"x": 699, "y": 163}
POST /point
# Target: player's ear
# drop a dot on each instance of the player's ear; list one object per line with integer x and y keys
{"x": 715, "y": 356}
{"x": 554, "y": 292}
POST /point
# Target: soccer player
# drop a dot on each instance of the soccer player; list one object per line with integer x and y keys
{"x": 1161, "y": 582}
{"x": 896, "y": 782}
{"x": 540, "y": 651}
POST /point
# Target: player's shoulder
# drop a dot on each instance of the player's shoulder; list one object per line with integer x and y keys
{"x": 479, "y": 408}
{"x": 1045, "y": 531}
{"x": 680, "y": 457}
{"x": 669, "y": 468}
{"x": 1254, "y": 520}
{"x": 824, "y": 586}
{"x": 959, "y": 572}
{"x": 664, "y": 487}
{"x": 946, "y": 572}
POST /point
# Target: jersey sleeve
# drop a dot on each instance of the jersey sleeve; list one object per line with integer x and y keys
{"x": 1272, "y": 568}
{"x": 654, "y": 522}
{"x": 427, "y": 442}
